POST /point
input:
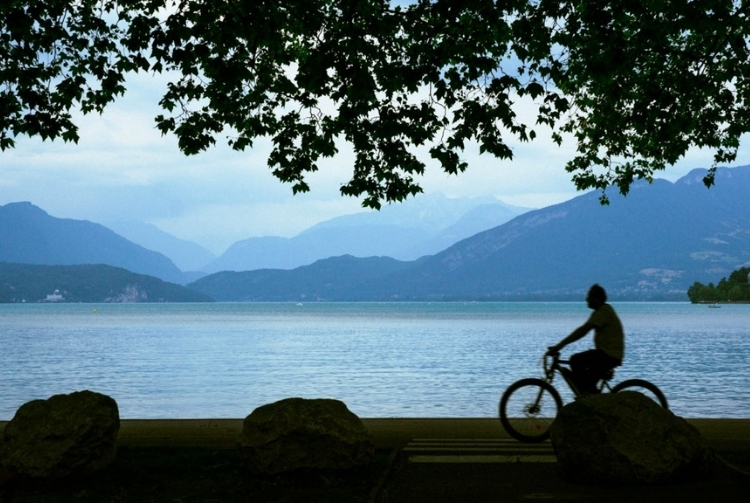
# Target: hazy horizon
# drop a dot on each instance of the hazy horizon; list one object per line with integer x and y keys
{"x": 123, "y": 169}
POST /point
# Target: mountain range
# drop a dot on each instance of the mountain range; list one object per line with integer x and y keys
{"x": 186, "y": 255}
{"x": 420, "y": 226}
{"x": 424, "y": 225}
{"x": 652, "y": 244}
{"x": 29, "y": 235}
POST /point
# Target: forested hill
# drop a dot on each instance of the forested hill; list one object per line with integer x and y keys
{"x": 736, "y": 288}
{"x": 87, "y": 283}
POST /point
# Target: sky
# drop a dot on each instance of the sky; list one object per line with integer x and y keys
{"x": 123, "y": 169}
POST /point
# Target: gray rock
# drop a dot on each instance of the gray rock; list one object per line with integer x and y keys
{"x": 65, "y": 435}
{"x": 627, "y": 438}
{"x": 297, "y": 433}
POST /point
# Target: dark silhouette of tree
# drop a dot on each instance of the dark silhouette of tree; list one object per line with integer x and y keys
{"x": 636, "y": 84}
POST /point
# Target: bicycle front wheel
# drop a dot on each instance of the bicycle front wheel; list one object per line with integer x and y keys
{"x": 527, "y": 409}
{"x": 643, "y": 387}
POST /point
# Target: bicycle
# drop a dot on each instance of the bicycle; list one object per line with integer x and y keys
{"x": 528, "y": 407}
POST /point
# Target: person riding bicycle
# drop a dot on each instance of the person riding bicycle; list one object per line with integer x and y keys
{"x": 609, "y": 340}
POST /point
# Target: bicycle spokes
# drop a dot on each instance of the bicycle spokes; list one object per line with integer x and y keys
{"x": 528, "y": 408}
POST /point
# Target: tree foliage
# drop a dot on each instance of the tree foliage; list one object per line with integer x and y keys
{"x": 649, "y": 80}
{"x": 734, "y": 289}
{"x": 55, "y": 55}
{"x": 635, "y": 83}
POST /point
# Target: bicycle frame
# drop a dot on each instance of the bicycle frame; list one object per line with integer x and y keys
{"x": 528, "y": 406}
{"x": 553, "y": 364}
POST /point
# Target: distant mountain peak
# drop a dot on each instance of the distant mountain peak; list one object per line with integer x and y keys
{"x": 31, "y": 236}
{"x": 421, "y": 226}
{"x": 186, "y": 255}
{"x": 695, "y": 176}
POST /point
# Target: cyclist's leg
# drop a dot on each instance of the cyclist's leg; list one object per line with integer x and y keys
{"x": 584, "y": 368}
{"x": 589, "y": 367}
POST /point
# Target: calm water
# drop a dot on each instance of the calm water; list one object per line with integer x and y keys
{"x": 382, "y": 360}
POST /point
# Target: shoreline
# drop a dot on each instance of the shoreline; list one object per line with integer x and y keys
{"x": 387, "y": 433}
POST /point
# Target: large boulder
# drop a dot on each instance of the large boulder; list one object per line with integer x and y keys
{"x": 627, "y": 438}
{"x": 65, "y": 435}
{"x": 297, "y": 433}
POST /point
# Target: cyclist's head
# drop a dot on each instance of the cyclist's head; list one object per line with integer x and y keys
{"x": 596, "y": 295}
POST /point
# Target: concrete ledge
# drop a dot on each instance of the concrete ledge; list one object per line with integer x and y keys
{"x": 722, "y": 434}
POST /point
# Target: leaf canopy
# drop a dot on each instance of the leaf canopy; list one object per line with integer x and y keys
{"x": 634, "y": 83}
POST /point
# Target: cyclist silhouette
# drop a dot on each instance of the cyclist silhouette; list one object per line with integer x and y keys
{"x": 609, "y": 340}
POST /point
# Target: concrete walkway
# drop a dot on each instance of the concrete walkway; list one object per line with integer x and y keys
{"x": 390, "y": 433}
{"x": 387, "y": 433}
{"x": 474, "y": 460}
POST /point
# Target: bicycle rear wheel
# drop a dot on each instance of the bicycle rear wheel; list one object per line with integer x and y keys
{"x": 527, "y": 409}
{"x": 643, "y": 387}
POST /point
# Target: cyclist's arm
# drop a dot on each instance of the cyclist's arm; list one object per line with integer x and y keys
{"x": 578, "y": 333}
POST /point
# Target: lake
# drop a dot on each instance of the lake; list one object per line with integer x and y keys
{"x": 382, "y": 359}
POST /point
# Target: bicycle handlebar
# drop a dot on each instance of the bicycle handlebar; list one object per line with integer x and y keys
{"x": 549, "y": 360}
